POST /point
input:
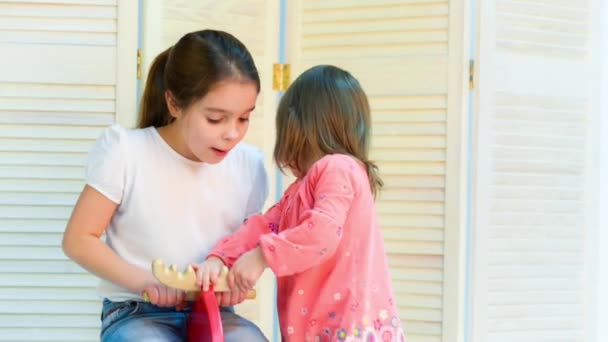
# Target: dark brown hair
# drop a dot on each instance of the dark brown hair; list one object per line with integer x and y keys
{"x": 190, "y": 69}
{"x": 325, "y": 111}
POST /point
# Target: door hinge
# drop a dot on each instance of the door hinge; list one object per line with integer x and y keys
{"x": 471, "y": 74}
{"x": 280, "y": 76}
{"x": 139, "y": 59}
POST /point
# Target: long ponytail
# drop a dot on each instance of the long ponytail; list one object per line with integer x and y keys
{"x": 153, "y": 109}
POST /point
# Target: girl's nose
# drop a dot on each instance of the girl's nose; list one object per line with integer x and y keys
{"x": 232, "y": 133}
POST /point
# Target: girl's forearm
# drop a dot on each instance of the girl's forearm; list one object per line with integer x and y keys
{"x": 96, "y": 257}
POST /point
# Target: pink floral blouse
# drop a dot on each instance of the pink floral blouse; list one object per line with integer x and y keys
{"x": 323, "y": 242}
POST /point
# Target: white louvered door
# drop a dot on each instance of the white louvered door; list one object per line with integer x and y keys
{"x": 66, "y": 69}
{"x": 408, "y": 56}
{"x": 534, "y": 195}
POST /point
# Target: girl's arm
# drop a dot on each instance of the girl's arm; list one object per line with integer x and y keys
{"x": 230, "y": 248}
{"x": 81, "y": 243}
{"x": 318, "y": 234}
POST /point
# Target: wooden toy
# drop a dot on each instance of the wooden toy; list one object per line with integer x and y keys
{"x": 205, "y": 324}
{"x": 186, "y": 280}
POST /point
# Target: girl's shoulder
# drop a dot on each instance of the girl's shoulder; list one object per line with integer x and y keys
{"x": 339, "y": 166}
{"x": 336, "y": 162}
{"x": 119, "y": 135}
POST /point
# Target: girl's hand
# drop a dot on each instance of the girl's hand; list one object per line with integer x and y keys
{"x": 208, "y": 272}
{"x": 161, "y": 295}
{"x": 247, "y": 270}
{"x": 230, "y": 298}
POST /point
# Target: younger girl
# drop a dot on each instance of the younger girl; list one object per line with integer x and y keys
{"x": 322, "y": 239}
{"x": 178, "y": 182}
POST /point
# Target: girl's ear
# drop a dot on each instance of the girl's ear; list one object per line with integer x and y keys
{"x": 174, "y": 109}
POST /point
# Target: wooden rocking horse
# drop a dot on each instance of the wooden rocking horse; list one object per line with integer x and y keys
{"x": 205, "y": 323}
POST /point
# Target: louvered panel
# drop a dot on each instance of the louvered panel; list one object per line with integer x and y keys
{"x": 58, "y": 24}
{"x": 429, "y": 181}
{"x": 36, "y": 158}
{"x": 375, "y": 80}
{"x": 41, "y": 172}
{"x": 65, "y": 64}
{"x": 32, "y": 225}
{"x": 58, "y": 84}
{"x": 58, "y": 118}
{"x": 99, "y": 39}
{"x": 24, "y": 198}
{"x": 398, "y": 37}
{"x": 69, "y": 2}
{"x": 31, "y": 239}
{"x": 49, "y": 321}
{"x": 38, "y": 253}
{"x": 536, "y": 233}
{"x": 45, "y": 145}
{"x": 10, "y": 279}
{"x": 415, "y": 220}
{"x": 343, "y": 27}
{"x": 412, "y": 207}
{"x": 49, "y": 293}
{"x": 38, "y": 212}
{"x": 43, "y": 266}
{"x": 58, "y": 104}
{"x": 399, "y": 233}
{"x": 244, "y": 19}
{"x": 62, "y": 91}
{"x": 49, "y": 132}
{"x": 40, "y": 185}
{"x": 378, "y": 29}
{"x": 542, "y": 27}
{"x": 79, "y": 11}
{"x": 55, "y": 334}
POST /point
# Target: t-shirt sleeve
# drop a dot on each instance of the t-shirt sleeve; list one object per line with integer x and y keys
{"x": 105, "y": 166}
{"x": 259, "y": 189}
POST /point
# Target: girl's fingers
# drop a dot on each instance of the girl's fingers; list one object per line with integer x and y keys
{"x": 205, "y": 279}
{"x": 199, "y": 276}
{"x": 181, "y": 296}
{"x": 162, "y": 296}
{"x": 222, "y": 298}
{"x": 152, "y": 292}
{"x": 181, "y": 300}
{"x": 237, "y": 297}
{"x": 243, "y": 284}
{"x": 214, "y": 277}
{"x": 173, "y": 297}
{"x": 231, "y": 280}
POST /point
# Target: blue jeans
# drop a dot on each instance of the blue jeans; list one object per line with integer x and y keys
{"x": 139, "y": 321}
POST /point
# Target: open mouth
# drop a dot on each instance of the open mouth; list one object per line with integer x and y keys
{"x": 219, "y": 152}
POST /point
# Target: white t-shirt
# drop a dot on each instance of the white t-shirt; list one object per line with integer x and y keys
{"x": 170, "y": 207}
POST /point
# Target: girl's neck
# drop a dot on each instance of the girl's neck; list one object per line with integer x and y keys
{"x": 307, "y": 166}
{"x": 171, "y": 136}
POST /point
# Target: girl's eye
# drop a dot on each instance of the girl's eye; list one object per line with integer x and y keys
{"x": 243, "y": 119}
{"x": 213, "y": 121}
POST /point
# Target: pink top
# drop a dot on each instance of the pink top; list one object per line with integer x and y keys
{"x": 323, "y": 242}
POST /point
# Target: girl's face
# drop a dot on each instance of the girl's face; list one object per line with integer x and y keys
{"x": 209, "y": 128}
